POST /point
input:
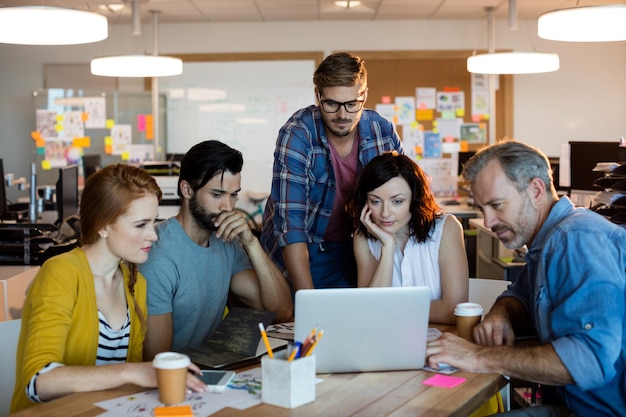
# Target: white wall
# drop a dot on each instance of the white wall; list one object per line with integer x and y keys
{"x": 585, "y": 99}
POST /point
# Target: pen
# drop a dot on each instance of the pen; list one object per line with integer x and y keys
{"x": 267, "y": 342}
{"x": 317, "y": 339}
{"x": 294, "y": 352}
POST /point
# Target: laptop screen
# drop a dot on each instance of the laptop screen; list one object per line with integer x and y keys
{"x": 365, "y": 329}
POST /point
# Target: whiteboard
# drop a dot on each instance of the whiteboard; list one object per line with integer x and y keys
{"x": 240, "y": 103}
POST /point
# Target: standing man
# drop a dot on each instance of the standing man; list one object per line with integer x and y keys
{"x": 319, "y": 152}
{"x": 572, "y": 289}
{"x": 205, "y": 253}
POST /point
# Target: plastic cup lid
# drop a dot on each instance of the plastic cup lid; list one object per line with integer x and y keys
{"x": 171, "y": 360}
{"x": 468, "y": 309}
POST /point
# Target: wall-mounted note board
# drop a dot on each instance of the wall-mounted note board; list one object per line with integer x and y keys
{"x": 241, "y": 103}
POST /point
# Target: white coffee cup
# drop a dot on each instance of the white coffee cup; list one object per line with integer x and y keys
{"x": 468, "y": 315}
{"x": 171, "y": 369}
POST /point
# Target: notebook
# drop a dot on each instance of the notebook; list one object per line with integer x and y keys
{"x": 236, "y": 341}
{"x": 365, "y": 329}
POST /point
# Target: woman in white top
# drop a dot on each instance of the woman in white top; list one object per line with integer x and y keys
{"x": 403, "y": 239}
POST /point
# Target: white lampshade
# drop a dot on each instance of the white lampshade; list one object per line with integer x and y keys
{"x": 513, "y": 63}
{"x": 136, "y": 66}
{"x": 38, "y": 25}
{"x": 584, "y": 24}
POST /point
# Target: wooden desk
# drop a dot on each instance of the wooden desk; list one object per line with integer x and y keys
{"x": 368, "y": 394}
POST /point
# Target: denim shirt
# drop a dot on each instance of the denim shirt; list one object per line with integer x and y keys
{"x": 574, "y": 286}
{"x": 303, "y": 182}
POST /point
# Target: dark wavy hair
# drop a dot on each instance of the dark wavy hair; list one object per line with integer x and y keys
{"x": 206, "y": 160}
{"x": 389, "y": 165}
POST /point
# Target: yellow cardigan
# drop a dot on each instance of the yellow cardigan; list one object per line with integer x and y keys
{"x": 60, "y": 320}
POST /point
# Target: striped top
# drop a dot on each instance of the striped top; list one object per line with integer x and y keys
{"x": 112, "y": 344}
{"x": 112, "y": 348}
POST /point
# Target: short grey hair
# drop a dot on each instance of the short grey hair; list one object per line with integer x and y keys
{"x": 519, "y": 161}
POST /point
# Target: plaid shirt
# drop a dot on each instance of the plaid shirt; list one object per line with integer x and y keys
{"x": 303, "y": 182}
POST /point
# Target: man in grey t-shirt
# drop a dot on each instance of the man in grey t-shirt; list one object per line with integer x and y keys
{"x": 204, "y": 253}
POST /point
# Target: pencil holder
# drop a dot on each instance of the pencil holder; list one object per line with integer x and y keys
{"x": 288, "y": 384}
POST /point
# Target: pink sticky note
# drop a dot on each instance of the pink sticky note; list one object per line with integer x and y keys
{"x": 444, "y": 381}
{"x": 141, "y": 122}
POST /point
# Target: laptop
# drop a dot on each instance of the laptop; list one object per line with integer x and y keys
{"x": 365, "y": 329}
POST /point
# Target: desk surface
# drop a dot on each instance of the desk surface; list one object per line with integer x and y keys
{"x": 367, "y": 394}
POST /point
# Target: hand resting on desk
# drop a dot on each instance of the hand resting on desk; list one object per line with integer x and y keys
{"x": 451, "y": 350}
{"x": 65, "y": 380}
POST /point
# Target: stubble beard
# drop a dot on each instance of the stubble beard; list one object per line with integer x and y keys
{"x": 203, "y": 217}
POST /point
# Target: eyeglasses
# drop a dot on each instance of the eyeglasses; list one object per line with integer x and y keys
{"x": 332, "y": 106}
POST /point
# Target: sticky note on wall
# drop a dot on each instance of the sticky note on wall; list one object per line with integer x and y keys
{"x": 149, "y": 124}
{"x": 84, "y": 142}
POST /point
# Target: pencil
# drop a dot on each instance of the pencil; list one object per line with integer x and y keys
{"x": 309, "y": 339}
{"x": 266, "y": 341}
{"x": 317, "y": 340}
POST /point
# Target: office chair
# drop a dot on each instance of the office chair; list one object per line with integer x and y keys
{"x": 9, "y": 334}
{"x": 484, "y": 292}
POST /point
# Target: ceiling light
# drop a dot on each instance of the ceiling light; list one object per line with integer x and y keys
{"x": 39, "y": 25}
{"x": 509, "y": 62}
{"x": 139, "y": 65}
{"x": 348, "y": 4}
{"x": 136, "y": 66}
{"x": 584, "y": 24}
{"x": 513, "y": 63}
{"x": 111, "y": 8}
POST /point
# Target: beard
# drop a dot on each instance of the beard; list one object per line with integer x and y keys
{"x": 337, "y": 132}
{"x": 204, "y": 217}
{"x": 522, "y": 232}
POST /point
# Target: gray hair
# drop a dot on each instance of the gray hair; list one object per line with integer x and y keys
{"x": 519, "y": 161}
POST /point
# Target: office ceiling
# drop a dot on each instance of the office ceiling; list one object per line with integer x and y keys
{"x": 203, "y": 11}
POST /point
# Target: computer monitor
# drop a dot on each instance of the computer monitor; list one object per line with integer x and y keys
{"x": 67, "y": 192}
{"x": 463, "y": 158}
{"x": 583, "y": 158}
{"x": 91, "y": 163}
{"x": 3, "y": 192}
{"x": 174, "y": 156}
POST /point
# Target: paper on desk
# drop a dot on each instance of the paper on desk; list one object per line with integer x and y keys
{"x": 243, "y": 392}
{"x": 433, "y": 334}
{"x": 281, "y": 330}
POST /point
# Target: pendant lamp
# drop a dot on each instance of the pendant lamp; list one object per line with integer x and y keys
{"x": 510, "y": 62}
{"x": 40, "y": 25}
{"x": 138, "y": 65}
{"x": 513, "y": 63}
{"x": 584, "y": 24}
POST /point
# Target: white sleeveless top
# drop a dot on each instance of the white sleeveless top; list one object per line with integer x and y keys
{"x": 419, "y": 266}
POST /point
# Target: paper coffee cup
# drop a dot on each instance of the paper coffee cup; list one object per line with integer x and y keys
{"x": 171, "y": 369}
{"x": 468, "y": 315}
